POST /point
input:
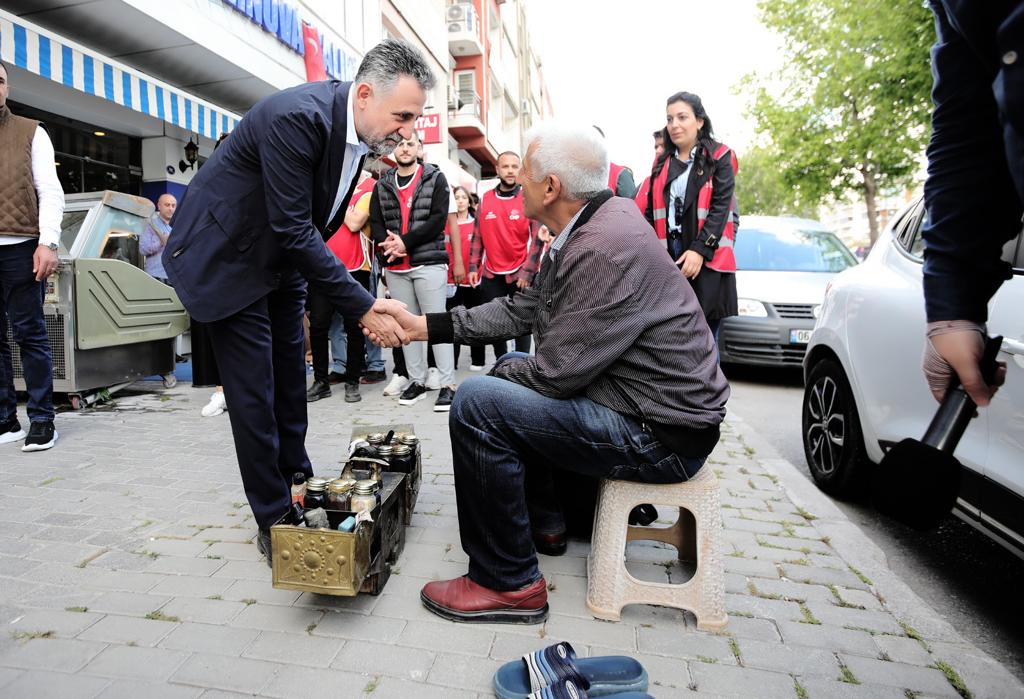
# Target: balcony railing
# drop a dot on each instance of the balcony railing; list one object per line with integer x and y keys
{"x": 468, "y": 105}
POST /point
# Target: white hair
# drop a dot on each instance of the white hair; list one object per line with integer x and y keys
{"x": 575, "y": 154}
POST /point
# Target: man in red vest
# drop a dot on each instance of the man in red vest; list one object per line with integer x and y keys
{"x": 502, "y": 259}
{"x": 620, "y": 177}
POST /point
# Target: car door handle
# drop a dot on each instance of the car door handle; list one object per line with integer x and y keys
{"x": 1015, "y": 347}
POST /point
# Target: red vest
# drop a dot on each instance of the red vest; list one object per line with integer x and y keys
{"x": 405, "y": 206}
{"x": 504, "y": 232}
{"x": 346, "y": 244}
{"x": 641, "y": 194}
{"x": 724, "y": 259}
{"x": 466, "y": 238}
{"x": 613, "y": 177}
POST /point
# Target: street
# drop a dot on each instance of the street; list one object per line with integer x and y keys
{"x": 961, "y": 573}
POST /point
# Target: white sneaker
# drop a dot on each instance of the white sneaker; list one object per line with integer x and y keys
{"x": 396, "y": 385}
{"x": 217, "y": 405}
{"x": 476, "y": 367}
{"x": 433, "y": 382}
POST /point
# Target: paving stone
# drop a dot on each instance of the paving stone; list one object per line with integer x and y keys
{"x": 234, "y": 551}
{"x": 244, "y": 570}
{"x": 408, "y": 607}
{"x": 764, "y": 608}
{"x": 177, "y": 565}
{"x": 310, "y": 683}
{"x": 750, "y": 566}
{"x": 58, "y": 654}
{"x": 136, "y": 663}
{"x": 510, "y": 646}
{"x": 795, "y": 660}
{"x": 126, "y": 629}
{"x": 823, "y": 576}
{"x": 903, "y": 650}
{"x": 360, "y": 604}
{"x": 901, "y": 675}
{"x": 464, "y": 672}
{"x": 379, "y": 659}
{"x": 845, "y": 617}
{"x": 757, "y": 629}
{"x": 818, "y": 688}
{"x": 983, "y": 676}
{"x": 133, "y": 603}
{"x": 452, "y": 637}
{"x": 8, "y": 675}
{"x": 394, "y": 688}
{"x": 360, "y": 627}
{"x": 206, "y": 638}
{"x": 752, "y": 525}
{"x": 223, "y": 672}
{"x": 794, "y": 543}
{"x": 836, "y": 639}
{"x": 296, "y": 649}
{"x": 731, "y": 681}
{"x": 204, "y": 611}
{"x": 269, "y": 617}
{"x": 261, "y": 592}
{"x": 611, "y": 634}
{"x": 62, "y": 623}
{"x": 191, "y": 586}
{"x": 684, "y": 643}
{"x": 663, "y": 672}
{"x": 860, "y": 598}
{"x": 240, "y": 536}
{"x": 54, "y": 685}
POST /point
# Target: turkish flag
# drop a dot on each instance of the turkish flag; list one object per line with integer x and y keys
{"x": 315, "y": 69}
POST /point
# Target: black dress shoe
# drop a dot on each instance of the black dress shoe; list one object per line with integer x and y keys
{"x": 319, "y": 389}
{"x": 550, "y": 544}
{"x": 643, "y": 515}
{"x": 334, "y": 378}
{"x": 372, "y": 377}
{"x": 263, "y": 546}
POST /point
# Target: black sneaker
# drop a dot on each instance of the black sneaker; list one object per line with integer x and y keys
{"x": 10, "y": 431}
{"x": 444, "y": 399}
{"x": 41, "y": 436}
{"x": 352, "y": 393}
{"x": 372, "y": 377}
{"x": 413, "y": 394}
{"x": 335, "y": 378}
{"x": 319, "y": 389}
{"x": 263, "y": 546}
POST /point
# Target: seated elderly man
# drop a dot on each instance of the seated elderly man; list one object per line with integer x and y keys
{"x": 624, "y": 383}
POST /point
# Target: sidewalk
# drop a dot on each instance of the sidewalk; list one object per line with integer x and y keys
{"x": 127, "y": 569}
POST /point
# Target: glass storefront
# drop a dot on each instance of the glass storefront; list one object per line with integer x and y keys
{"x": 89, "y": 158}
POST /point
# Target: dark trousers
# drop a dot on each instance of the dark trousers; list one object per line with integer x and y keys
{"x": 21, "y": 305}
{"x": 467, "y": 296}
{"x": 508, "y": 440}
{"x": 321, "y": 313}
{"x": 496, "y": 287}
{"x": 260, "y": 355}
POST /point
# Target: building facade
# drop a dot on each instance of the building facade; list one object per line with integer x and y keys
{"x": 125, "y": 85}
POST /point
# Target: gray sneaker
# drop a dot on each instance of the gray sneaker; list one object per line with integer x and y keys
{"x": 352, "y": 394}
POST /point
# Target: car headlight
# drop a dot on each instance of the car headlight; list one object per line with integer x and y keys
{"x": 816, "y": 311}
{"x": 752, "y": 308}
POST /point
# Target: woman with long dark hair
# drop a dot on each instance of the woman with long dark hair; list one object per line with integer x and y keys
{"x": 691, "y": 205}
{"x": 465, "y": 294}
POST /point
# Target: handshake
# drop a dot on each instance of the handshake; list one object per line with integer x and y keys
{"x": 389, "y": 324}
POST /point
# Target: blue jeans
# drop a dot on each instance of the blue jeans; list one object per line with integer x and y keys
{"x": 507, "y": 439}
{"x": 21, "y": 304}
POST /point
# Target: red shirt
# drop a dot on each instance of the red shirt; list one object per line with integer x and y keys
{"x": 405, "y": 195}
{"x": 504, "y": 232}
{"x": 346, "y": 244}
{"x": 466, "y": 238}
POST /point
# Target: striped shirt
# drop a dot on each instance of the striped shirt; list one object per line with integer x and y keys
{"x": 614, "y": 321}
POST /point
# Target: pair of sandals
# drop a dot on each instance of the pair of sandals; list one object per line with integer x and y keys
{"x": 556, "y": 673}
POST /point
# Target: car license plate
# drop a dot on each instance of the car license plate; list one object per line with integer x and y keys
{"x": 800, "y": 337}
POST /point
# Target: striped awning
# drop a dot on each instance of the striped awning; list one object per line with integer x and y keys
{"x": 38, "y": 51}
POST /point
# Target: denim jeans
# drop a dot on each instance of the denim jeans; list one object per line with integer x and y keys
{"x": 21, "y": 304}
{"x": 507, "y": 439}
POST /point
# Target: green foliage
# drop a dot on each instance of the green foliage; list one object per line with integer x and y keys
{"x": 850, "y": 107}
{"x": 761, "y": 188}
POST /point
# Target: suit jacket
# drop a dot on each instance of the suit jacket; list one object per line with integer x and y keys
{"x": 258, "y": 209}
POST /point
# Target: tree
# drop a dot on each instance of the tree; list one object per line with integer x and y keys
{"x": 849, "y": 109}
{"x": 761, "y": 188}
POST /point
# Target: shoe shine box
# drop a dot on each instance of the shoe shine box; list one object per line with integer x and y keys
{"x": 414, "y": 470}
{"x": 330, "y": 562}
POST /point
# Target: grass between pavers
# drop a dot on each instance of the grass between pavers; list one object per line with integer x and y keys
{"x": 808, "y": 616}
{"x": 157, "y": 615}
{"x": 846, "y": 674}
{"x": 801, "y": 692}
{"x": 26, "y": 636}
{"x": 76, "y": 609}
{"x": 840, "y": 602}
{"x": 371, "y": 685}
{"x": 954, "y": 679}
{"x": 914, "y": 634}
{"x": 863, "y": 578}
{"x": 735, "y": 648}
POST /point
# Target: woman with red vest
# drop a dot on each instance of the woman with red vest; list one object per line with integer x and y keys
{"x": 692, "y": 208}
{"x": 465, "y": 293}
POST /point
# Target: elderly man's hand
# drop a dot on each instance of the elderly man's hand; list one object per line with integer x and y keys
{"x": 380, "y": 326}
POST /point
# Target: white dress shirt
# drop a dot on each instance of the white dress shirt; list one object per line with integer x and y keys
{"x": 354, "y": 150}
{"x": 49, "y": 193}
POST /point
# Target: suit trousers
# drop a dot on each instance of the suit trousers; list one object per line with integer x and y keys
{"x": 260, "y": 355}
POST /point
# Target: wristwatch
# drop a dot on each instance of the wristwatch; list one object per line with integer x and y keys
{"x": 53, "y": 246}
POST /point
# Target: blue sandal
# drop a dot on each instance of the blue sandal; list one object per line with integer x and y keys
{"x": 597, "y": 677}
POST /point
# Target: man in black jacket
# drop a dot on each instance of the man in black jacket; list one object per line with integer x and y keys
{"x": 407, "y": 219}
{"x": 975, "y": 188}
{"x": 248, "y": 236}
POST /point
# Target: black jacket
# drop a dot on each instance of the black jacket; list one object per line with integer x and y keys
{"x": 424, "y": 241}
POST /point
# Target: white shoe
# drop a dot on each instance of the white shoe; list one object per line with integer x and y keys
{"x": 217, "y": 405}
{"x": 396, "y": 385}
{"x": 476, "y": 367}
{"x": 433, "y": 382}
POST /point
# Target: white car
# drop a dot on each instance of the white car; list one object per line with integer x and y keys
{"x": 783, "y": 266}
{"x": 864, "y": 389}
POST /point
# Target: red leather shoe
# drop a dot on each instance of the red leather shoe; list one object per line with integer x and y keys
{"x": 550, "y": 544}
{"x": 461, "y": 599}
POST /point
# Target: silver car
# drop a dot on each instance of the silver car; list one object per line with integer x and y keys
{"x": 783, "y": 266}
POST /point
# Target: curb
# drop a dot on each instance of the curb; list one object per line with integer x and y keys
{"x": 856, "y": 549}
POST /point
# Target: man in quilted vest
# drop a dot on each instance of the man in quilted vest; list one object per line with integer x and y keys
{"x": 31, "y": 207}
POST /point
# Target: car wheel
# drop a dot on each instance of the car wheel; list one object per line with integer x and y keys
{"x": 833, "y": 444}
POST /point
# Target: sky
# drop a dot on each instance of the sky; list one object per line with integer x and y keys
{"x": 613, "y": 64}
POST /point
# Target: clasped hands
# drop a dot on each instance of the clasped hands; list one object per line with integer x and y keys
{"x": 389, "y": 324}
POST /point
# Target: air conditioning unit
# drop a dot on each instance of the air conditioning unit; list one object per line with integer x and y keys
{"x": 461, "y": 18}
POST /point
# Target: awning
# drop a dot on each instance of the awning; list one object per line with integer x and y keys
{"x": 38, "y": 51}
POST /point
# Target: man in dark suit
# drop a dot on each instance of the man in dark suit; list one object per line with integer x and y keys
{"x": 249, "y": 234}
